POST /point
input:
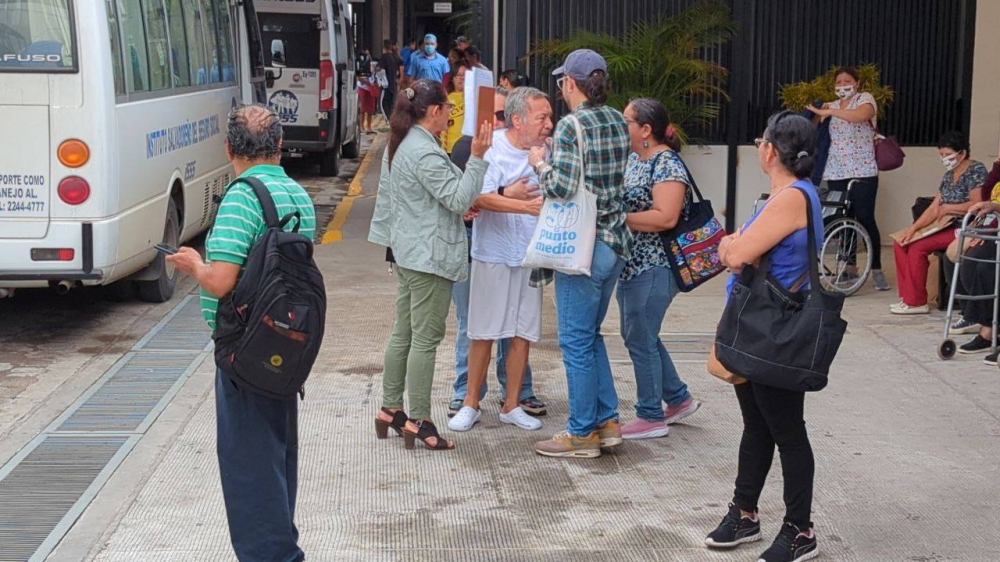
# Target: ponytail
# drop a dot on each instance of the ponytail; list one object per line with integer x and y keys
{"x": 411, "y": 106}
{"x": 671, "y": 138}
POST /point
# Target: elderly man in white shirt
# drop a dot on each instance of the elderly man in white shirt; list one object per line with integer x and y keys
{"x": 502, "y": 304}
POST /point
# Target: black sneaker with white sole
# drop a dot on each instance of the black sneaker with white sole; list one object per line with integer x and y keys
{"x": 734, "y": 530}
{"x": 991, "y": 359}
{"x": 791, "y": 545}
{"x": 978, "y": 344}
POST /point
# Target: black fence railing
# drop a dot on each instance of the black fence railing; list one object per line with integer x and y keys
{"x": 922, "y": 47}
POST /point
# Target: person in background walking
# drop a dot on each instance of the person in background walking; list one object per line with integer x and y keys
{"x": 392, "y": 65}
{"x": 418, "y": 213}
{"x": 368, "y": 93}
{"x": 257, "y": 436}
{"x": 456, "y": 95}
{"x": 408, "y": 50}
{"x": 363, "y": 63}
{"x": 852, "y": 156}
{"x": 475, "y": 57}
{"x": 773, "y": 416}
{"x": 582, "y": 301}
{"x": 520, "y": 190}
{"x": 657, "y": 192}
{"x": 428, "y": 63}
{"x": 962, "y": 176}
{"x": 511, "y": 79}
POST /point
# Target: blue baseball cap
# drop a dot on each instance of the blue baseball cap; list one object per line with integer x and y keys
{"x": 581, "y": 63}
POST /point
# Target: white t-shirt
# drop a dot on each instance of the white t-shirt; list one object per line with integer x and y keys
{"x": 503, "y": 237}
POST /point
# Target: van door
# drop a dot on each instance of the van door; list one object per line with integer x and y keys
{"x": 347, "y": 91}
{"x": 295, "y": 93}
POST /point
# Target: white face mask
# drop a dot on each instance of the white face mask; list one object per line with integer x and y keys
{"x": 844, "y": 91}
{"x": 950, "y": 162}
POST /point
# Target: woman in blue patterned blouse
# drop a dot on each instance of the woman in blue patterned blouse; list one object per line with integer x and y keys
{"x": 657, "y": 192}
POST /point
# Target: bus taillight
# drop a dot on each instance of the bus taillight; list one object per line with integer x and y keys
{"x": 325, "y": 85}
{"x": 74, "y": 190}
{"x": 73, "y": 153}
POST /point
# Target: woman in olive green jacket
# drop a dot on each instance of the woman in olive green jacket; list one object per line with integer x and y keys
{"x": 422, "y": 197}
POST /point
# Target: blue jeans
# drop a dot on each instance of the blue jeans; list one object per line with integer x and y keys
{"x": 258, "y": 450}
{"x": 460, "y": 296}
{"x": 581, "y": 304}
{"x": 643, "y": 302}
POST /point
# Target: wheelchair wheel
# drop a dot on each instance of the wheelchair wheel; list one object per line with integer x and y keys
{"x": 846, "y": 256}
{"x": 947, "y": 349}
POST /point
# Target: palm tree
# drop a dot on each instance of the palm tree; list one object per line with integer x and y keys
{"x": 662, "y": 60}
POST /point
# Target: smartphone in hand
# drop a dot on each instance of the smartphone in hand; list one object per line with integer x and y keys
{"x": 166, "y": 249}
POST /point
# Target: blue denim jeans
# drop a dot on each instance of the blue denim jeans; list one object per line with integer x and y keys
{"x": 460, "y": 296}
{"x": 581, "y": 304}
{"x": 258, "y": 448}
{"x": 643, "y": 302}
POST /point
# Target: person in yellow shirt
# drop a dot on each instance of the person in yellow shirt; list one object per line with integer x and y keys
{"x": 456, "y": 95}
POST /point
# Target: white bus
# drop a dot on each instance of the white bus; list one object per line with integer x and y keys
{"x": 114, "y": 118}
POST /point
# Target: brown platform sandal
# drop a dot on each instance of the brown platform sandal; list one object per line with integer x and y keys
{"x": 382, "y": 426}
{"x": 427, "y": 432}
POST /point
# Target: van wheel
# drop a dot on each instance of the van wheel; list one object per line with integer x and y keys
{"x": 329, "y": 162}
{"x": 353, "y": 148}
{"x": 162, "y": 288}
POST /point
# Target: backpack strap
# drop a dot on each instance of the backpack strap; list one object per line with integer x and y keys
{"x": 265, "y": 199}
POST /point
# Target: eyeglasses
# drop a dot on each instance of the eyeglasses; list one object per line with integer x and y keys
{"x": 760, "y": 141}
{"x": 560, "y": 82}
{"x": 500, "y": 115}
{"x": 448, "y": 104}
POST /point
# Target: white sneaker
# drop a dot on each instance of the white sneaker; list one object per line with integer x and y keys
{"x": 905, "y": 309}
{"x": 521, "y": 419}
{"x": 465, "y": 419}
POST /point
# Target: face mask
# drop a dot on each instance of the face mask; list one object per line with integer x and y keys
{"x": 950, "y": 162}
{"x": 430, "y": 49}
{"x": 844, "y": 91}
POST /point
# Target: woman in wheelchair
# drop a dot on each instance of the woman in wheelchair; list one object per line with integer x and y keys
{"x": 925, "y": 236}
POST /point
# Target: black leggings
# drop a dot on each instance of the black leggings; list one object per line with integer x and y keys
{"x": 979, "y": 279}
{"x": 863, "y": 209}
{"x": 772, "y": 416}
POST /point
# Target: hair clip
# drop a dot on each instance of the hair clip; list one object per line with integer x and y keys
{"x": 410, "y": 94}
{"x": 671, "y": 130}
{"x": 802, "y": 154}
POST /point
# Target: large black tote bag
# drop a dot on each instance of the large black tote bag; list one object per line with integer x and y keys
{"x": 777, "y": 338}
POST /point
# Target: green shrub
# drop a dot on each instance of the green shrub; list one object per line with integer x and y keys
{"x": 796, "y": 96}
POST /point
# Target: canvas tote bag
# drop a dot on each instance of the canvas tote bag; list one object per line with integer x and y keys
{"x": 566, "y": 232}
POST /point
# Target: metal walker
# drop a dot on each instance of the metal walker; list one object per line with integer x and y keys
{"x": 976, "y": 228}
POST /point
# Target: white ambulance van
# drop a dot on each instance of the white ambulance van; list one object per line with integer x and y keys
{"x": 309, "y": 54}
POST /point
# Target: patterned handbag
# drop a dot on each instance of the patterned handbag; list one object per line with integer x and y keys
{"x": 693, "y": 245}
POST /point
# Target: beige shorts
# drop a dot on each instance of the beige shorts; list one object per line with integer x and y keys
{"x": 502, "y": 304}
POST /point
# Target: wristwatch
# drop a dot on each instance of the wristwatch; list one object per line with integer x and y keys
{"x": 500, "y": 189}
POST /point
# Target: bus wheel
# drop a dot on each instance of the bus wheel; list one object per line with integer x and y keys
{"x": 162, "y": 288}
{"x": 329, "y": 161}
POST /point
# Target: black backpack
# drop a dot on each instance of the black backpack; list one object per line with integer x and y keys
{"x": 269, "y": 328}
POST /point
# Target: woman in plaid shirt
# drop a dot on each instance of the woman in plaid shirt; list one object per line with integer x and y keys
{"x": 581, "y": 301}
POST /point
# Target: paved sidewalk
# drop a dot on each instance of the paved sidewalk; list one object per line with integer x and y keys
{"x": 906, "y": 448}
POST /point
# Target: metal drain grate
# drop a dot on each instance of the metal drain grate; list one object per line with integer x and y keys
{"x": 58, "y": 476}
{"x": 183, "y": 328}
{"x": 126, "y": 398}
{"x": 49, "y": 483}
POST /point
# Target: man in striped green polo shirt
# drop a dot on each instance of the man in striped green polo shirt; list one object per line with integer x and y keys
{"x": 257, "y": 436}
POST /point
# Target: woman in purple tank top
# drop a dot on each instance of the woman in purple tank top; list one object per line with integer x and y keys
{"x": 773, "y": 416}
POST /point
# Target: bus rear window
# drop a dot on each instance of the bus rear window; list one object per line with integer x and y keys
{"x": 300, "y": 34}
{"x": 36, "y": 35}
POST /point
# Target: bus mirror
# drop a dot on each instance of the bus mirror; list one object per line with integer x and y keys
{"x": 278, "y": 53}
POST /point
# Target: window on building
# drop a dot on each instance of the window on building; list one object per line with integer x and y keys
{"x": 179, "y": 62}
{"x": 134, "y": 36}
